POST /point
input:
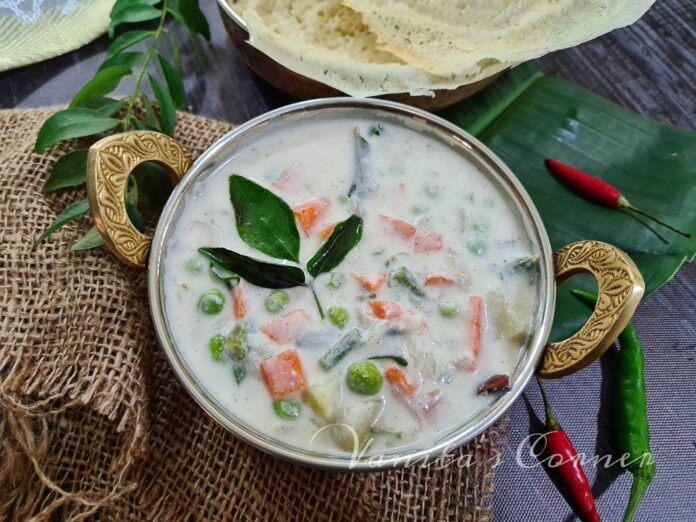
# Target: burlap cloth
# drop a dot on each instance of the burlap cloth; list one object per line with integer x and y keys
{"x": 94, "y": 424}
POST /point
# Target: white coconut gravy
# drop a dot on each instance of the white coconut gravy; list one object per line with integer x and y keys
{"x": 442, "y": 285}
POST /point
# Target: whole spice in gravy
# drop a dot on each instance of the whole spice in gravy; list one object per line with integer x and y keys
{"x": 495, "y": 383}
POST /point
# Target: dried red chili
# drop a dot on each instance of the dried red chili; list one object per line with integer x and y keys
{"x": 496, "y": 383}
{"x": 598, "y": 191}
{"x": 563, "y": 457}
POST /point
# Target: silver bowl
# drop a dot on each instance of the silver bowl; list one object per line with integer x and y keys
{"x": 620, "y": 285}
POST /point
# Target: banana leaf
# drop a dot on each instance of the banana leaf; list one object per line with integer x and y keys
{"x": 527, "y": 116}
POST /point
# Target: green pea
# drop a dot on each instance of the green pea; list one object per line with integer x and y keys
{"x": 478, "y": 226}
{"x": 237, "y": 342}
{"x": 338, "y": 316}
{"x": 194, "y": 266}
{"x": 276, "y": 301}
{"x": 336, "y": 281}
{"x": 216, "y": 344}
{"x": 285, "y": 409}
{"x": 448, "y": 308}
{"x": 376, "y": 130}
{"x": 477, "y": 247}
{"x": 363, "y": 377}
{"x": 239, "y": 373}
{"x": 211, "y": 302}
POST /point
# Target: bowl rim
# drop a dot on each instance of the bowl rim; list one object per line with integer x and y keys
{"x": 529, "y": 357}
{"x": 225, "y": 6}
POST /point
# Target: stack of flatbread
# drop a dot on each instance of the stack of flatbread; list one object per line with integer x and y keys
{"x": 375, "y": 47}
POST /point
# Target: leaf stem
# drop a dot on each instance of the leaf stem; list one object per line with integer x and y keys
{"x": 141, "y": 73}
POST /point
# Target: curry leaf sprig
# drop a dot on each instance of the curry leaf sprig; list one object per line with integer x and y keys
{"x": 92, "y": 113}
{"x": 267, "y": 223}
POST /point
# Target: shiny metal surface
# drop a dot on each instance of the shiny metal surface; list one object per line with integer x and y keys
{"x": 421, "y": 121}
{"x": 302, "y": 87}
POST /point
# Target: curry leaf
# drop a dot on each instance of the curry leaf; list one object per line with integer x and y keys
{"x": 174, "y": 81}
{"x": 342, "y": 240}
{"x": 189, "y": 13}
{"x": 127, "y": 40}
{"x": 264, "y": 221}
{"x": 92, "y": 239}
{"x": 103, "y": 105}
{"x": 131, "y": 12}
{"x": 69, "y": 171}
{"x": 150, "y": 115}
{"x": 105, "y": 81}
{"x": 166, "y": 105}
{"x": 130, "y": 59}
{"x": 259, "y": 273}
{"x": 73, "y": 212}
{"x": 72, "y": 123}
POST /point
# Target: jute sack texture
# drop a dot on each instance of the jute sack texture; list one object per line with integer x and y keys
{"x": 95, "y": 425}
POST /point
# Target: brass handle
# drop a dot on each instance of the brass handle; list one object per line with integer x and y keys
{"x": 620, "y": 288}
{"x": 109, "y": 163}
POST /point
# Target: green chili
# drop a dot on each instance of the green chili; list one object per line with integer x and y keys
{"x": 630, "y": 411}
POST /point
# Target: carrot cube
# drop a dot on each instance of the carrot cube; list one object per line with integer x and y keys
{"x": 402, "y": 228}
{"x": 325, "y": 232}
{"x": 239, "y": 301}
{"x": 427, "y": 242}
{"x": 288, "y": 327}
{"x": 283, "y": 374}
{"x": 385, "y": 309}
{"x": 371, "y": 281}
{"x": 308, "y": 214}
{"x": 438, "y": 281}
{"x": 398, "y": 380}
{"x": 476, "y": 306}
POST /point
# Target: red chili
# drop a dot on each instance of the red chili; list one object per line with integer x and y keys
{"x": 597, "y": 190}
{"x": 563, "y": 457}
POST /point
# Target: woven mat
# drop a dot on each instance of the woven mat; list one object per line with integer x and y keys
{"x": 94, "y": 424}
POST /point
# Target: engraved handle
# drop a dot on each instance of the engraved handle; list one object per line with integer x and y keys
{"x": 620, "y": 288}
{"x": 109, "y": 163}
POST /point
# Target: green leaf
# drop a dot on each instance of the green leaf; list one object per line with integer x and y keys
{"x": 174, "y": 82}
{"x": 154, "y": 183}
{"x": 71, "y": 213}
{"x": 135, "y": 217}
{"x": 166, "y": 105}
{"x": 189, "y": 14}
{"x": 176, "y": 53}
{"x": 132, "y": 12}
{"x": 92, "y": 239}
{"x": 529, "y": 117}
{"x": 259, "y": 273}
{"x": 264, "y": 221}
{"x": 72, "y": 123}
{"x": 141, "y": 125}
{"x": 130, "y": 60}
{"x": 342, "y": 240}
{"x": 104, "y": 82}
{"x": 69, "y": 171}
{"x": 150, "y": 114}
{"x": 127, "y": 40}
{"x": 103, "y": 105}
{"x": 131, "y": 201}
